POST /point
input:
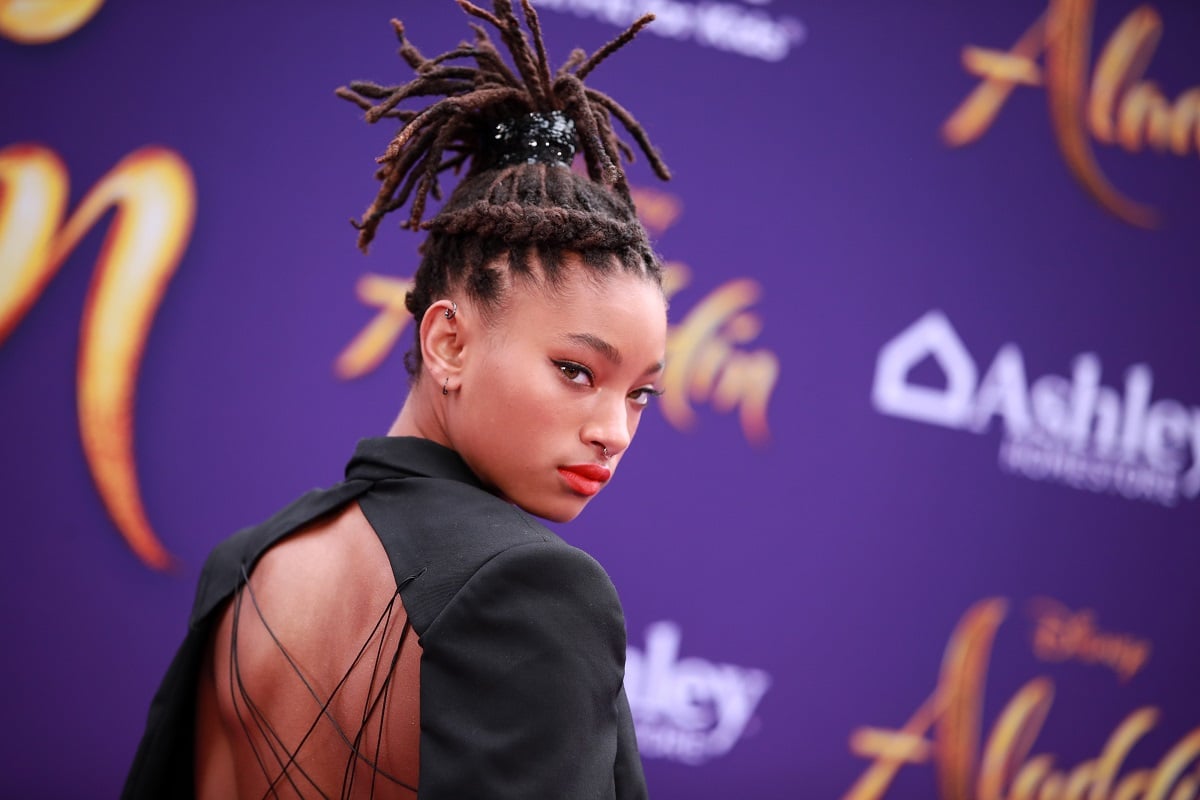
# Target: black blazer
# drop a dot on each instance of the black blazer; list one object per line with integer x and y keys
{"x": 522, "y": 636}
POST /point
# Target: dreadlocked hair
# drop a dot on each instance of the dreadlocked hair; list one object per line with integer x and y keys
{"x": 504, "y": 221}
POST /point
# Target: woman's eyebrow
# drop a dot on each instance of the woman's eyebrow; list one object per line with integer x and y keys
{"x": 594, "y": 342}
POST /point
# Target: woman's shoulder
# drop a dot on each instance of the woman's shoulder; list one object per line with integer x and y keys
{"x": 539, "y": 597}
{"x": 445, "y": 538}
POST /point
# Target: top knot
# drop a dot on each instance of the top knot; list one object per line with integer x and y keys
{"x": 493, "y": 116}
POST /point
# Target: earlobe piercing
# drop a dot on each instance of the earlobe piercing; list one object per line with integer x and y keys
{"x": 446, "y": 385}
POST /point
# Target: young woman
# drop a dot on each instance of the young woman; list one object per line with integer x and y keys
{"x": 414, "y": 630}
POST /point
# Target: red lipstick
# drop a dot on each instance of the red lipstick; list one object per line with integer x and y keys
{"x": 585, "y": 479}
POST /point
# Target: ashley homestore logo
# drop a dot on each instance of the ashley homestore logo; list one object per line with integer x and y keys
{"x": 1071, "y": 430}
{"x": 688, "y": 709}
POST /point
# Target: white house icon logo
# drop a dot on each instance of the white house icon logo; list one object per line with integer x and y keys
{"x": 931, "y": 336}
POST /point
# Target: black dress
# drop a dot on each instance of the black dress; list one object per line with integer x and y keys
{"x": 522, "y": 636}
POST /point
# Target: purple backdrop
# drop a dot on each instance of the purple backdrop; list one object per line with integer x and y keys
{"x": 966, "y": 503}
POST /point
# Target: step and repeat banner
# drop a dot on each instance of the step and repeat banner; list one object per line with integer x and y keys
{"x": 919, "y": 513}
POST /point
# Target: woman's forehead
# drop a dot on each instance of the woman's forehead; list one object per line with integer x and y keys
{"x": 580, "y": 291}
{"x": 572, "y": 274}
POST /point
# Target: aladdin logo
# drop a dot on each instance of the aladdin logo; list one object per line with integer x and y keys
{"x": 153, "y": 193}
{"x": 1117, "y": 107}
{"x": 721, "y": 26}
{"x": 154, "y": 196}
{"x": 1070, "y": 430}
{"x": 687, "y": 710}
{"x": 945, "y": 735}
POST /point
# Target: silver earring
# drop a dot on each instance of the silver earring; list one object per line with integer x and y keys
{"x": 446, "y": 387}
{"x": 451, "y": 311}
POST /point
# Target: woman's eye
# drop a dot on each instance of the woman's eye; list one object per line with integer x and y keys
{"x": 575, "y": 373}
{"x": 642, "y": 396}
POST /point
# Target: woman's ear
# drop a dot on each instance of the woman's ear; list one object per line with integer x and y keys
{"x": 443, "y": 341}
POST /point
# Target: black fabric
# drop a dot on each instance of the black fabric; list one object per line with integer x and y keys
{"x": 522, "y": 635}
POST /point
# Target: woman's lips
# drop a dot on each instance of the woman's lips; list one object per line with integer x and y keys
{"x": 585, "y": 479}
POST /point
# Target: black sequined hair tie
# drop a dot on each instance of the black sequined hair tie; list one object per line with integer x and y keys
{"x": 546, "y": 137}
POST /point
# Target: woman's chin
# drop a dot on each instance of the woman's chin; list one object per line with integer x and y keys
{"x": 553, "y": 512}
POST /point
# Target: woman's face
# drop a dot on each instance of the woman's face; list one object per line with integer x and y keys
{"x": 558, "y": 377}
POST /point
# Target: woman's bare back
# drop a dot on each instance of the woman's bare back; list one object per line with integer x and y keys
{"x": 309, "y": 687}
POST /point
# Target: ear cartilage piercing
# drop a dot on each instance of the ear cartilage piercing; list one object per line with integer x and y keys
{"x": 451, "y": 311}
